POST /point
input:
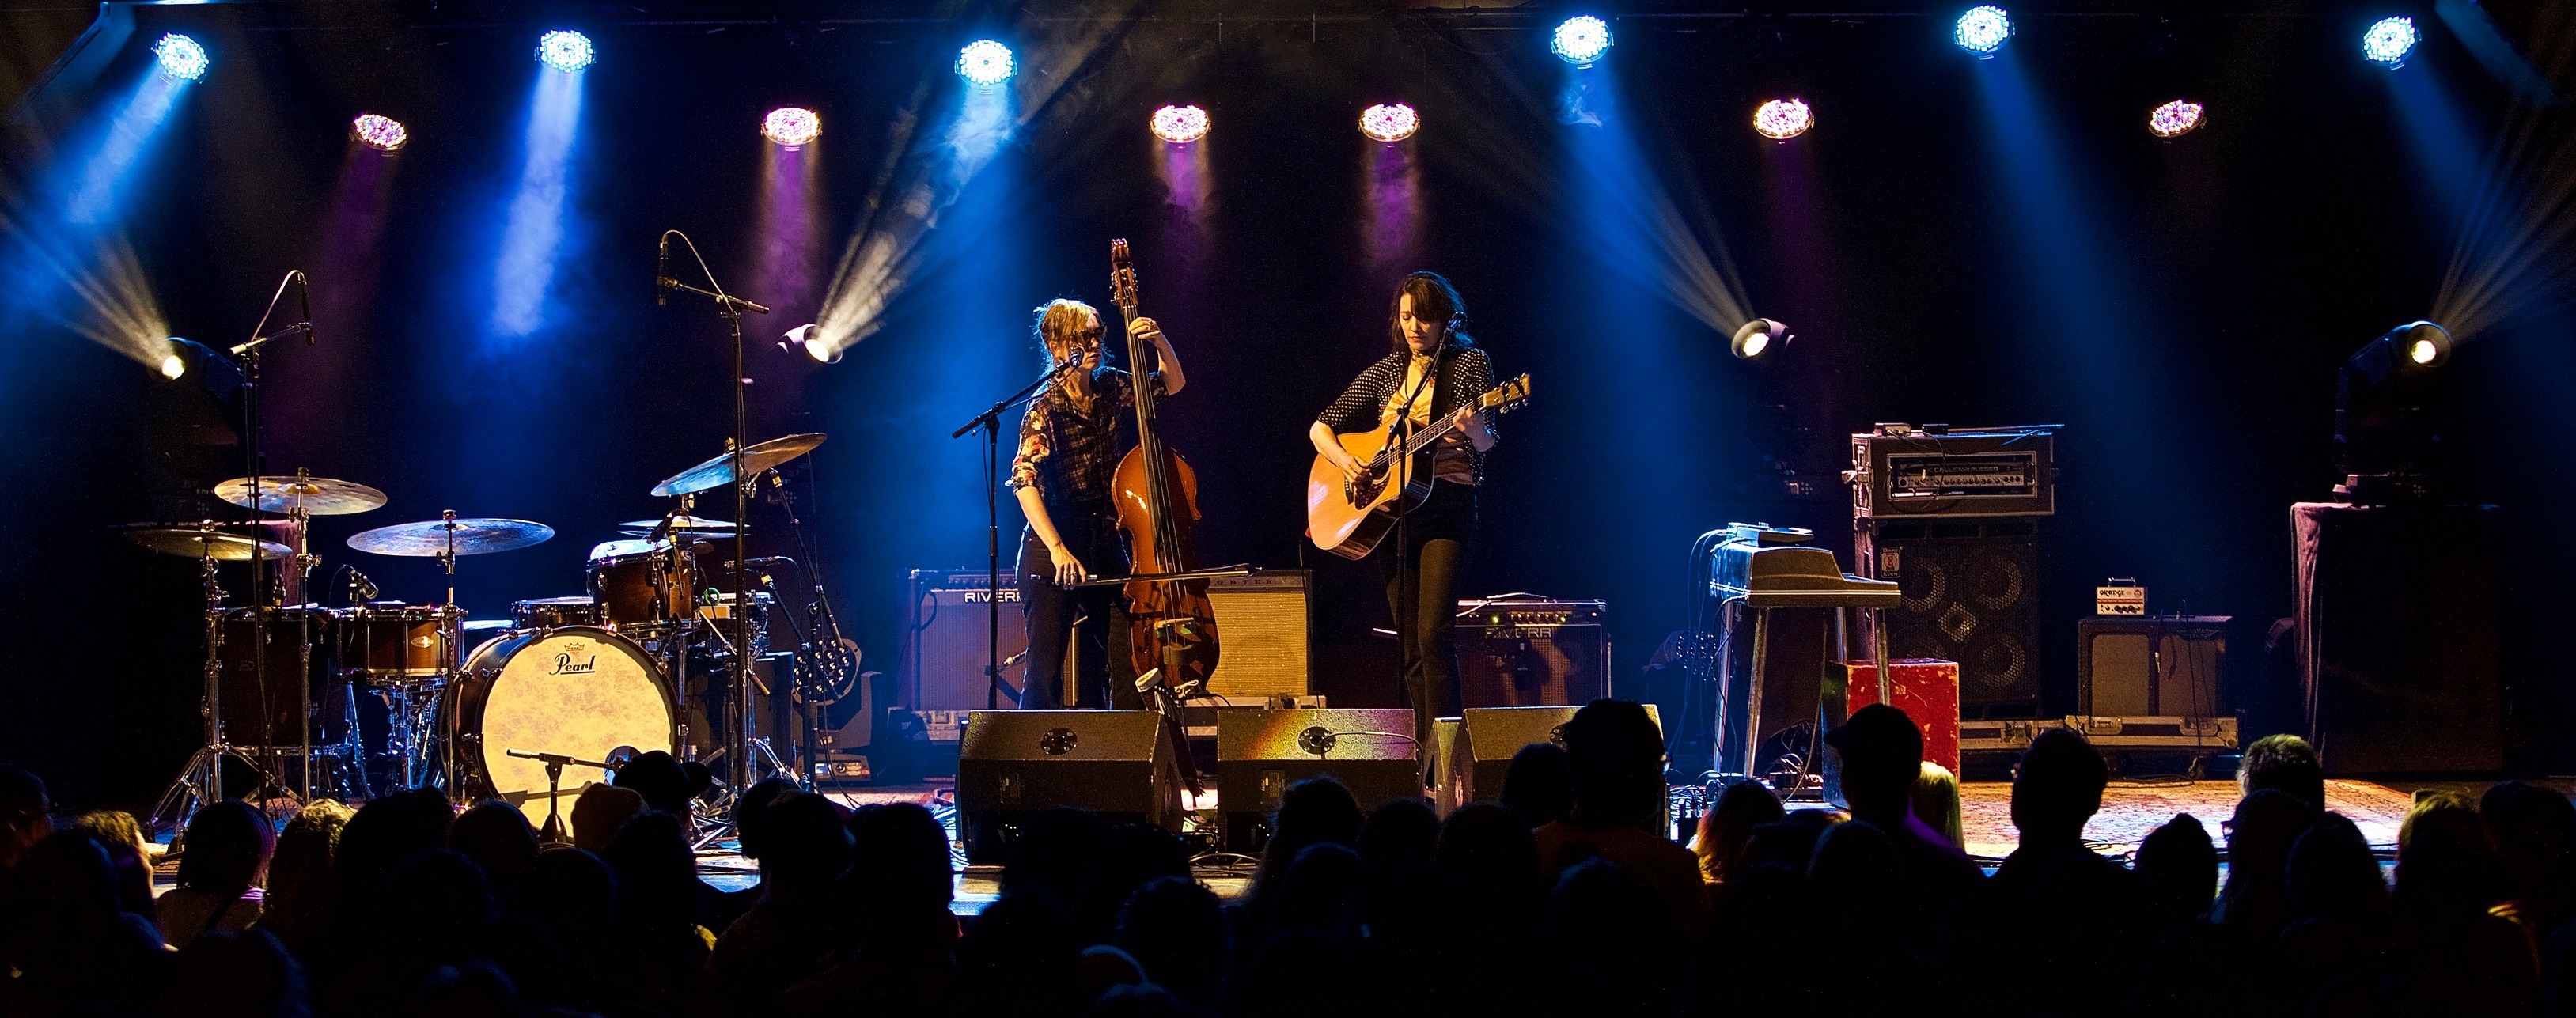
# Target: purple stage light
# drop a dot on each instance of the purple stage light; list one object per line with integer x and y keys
{"x": 379, "y": 132}
{"x": 792, "y": 126}
{"x": 1389, "y": 122}
{"x": 2174, "y": 119}
{"x": 1783, "y": 119}
{"x": 1180, "y": 125}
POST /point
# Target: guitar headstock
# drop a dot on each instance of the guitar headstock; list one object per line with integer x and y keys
{"x": 1511, "y": 395}
{"x": 1122, "y": 274}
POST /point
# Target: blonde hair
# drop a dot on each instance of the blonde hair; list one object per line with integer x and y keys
{"x": 1059, "y": 323}
{"x": 1936, "y": 803}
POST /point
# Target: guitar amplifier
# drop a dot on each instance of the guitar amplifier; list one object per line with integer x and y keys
{"x": 1533, "y": 653}
{"x": 1264, "y": 626}
{"x": 1899, "y": 470}
{"x": 941, "y": 652}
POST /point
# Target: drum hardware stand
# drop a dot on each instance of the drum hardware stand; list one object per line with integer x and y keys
{"x": 731, "y": 309}
{"x": 554, "y": 831}
{"x": 201, "y": 779}
{"x": 990, "y": 424}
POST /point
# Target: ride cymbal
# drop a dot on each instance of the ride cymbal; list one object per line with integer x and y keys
{"x": 758, "y": 457}
{"x": 317, "y": 496}
{"x": 432, "y": 538}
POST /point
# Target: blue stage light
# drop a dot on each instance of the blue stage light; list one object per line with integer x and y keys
{"x": 1982, "y": 30}
{"x": 181, "y": 58}
{"x": 1581, "y": 40}
{"x": 2388, "y": 41}
{"x": 565, "y": 51}
{"x": 985, "y": 63}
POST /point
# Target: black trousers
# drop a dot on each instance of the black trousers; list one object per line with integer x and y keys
{"x": 1079, "y": 618}
{"x": 1423, "y": 596}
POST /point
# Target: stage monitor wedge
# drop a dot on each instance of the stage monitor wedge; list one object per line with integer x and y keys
{"x": 1488, "y": 737}
{"x": 1259, "y": 753}
{"x": 1014, "y": 763}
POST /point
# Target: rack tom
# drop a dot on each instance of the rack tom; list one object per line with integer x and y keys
{"x": 644, "y": 584}
{"x": 556, "y": 613}
{"x": 392, "y": 642}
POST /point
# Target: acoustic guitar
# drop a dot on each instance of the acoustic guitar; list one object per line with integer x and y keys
{"x": 1348, "y": 516}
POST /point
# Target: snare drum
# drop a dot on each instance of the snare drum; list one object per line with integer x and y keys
{"x": 392, "y": 642}
{"x": 555, "y": 612}
{"x": 580, "y": 691}
{"x": 644, "y": 584}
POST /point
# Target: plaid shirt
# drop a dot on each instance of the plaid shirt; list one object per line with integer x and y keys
{"x": 1068, "y": 455}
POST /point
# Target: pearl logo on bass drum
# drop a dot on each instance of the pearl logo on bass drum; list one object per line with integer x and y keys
{"x": 567, "y": 664}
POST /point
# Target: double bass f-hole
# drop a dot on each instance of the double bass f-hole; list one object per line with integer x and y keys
{"x": 1171, "y": 623}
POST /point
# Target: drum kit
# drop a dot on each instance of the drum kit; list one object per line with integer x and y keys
{"x": 589, "y": 680}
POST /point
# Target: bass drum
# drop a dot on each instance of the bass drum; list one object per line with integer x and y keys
{"x": 580, "y": 691}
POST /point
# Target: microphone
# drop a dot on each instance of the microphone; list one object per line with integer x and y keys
{"x": 662, "y": 273}
{"x": 769, "y": 560}
{"x": 304, "y": 298}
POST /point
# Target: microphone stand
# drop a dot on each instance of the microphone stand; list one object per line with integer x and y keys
{"x": 990, "y": 423}
{"x": 731, "y": 308}
{"x": 253, "y": 450}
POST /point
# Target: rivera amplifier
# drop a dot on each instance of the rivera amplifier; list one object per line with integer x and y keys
{"x": 942, "y": 652}
{"x": 1533, "y": 653}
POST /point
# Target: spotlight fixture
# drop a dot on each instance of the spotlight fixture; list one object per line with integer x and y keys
{"x": 801, "y": 340}
{"x": 173, "y": 365}
{"x": 379, "y": 132}
{"x": 985, "y": 63}
{"x": 2389, "y": 40}
{"x": 565, "y": 51}
{"x": 2174, "y": 119}
{"x": 181, "y": 57}
{"x": 2425, "y": 344}
{"x": 1180, "y": 125}
{"x": 1756, "y": 336}
{"x": 1389, "y": 122}
{"x": 791, "y": 126}
{"x": 1982, "y": 30}
{"x": 1581, "y": 40}
{"x": 2388, "y": 424}
{"x": 1783, "y": 119}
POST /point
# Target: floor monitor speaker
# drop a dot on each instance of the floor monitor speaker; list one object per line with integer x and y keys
{"x": 1488, "y": 737}
{"x": 1013, "y": 763}
{"x": 1260, "y": 753}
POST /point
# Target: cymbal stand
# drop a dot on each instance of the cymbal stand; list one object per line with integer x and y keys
{"x": 201, "y": 779}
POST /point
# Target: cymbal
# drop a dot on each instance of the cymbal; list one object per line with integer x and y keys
{"x": 431, "y": 538}
{"x": 319, "y": 496}
{"x": 194, "y": 543}
{"x": 760, "y": 456}
{"x": 685, "y": 524}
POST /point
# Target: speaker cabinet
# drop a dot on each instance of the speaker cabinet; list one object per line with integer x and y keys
{"x": 2399, "y": 647}
{"x": 942, "y": 651}
{"x": 2150, "y": 666}
{"x": 1265, "y": 624}
{"x": 1117, "y": 763}
{"x": 1489, "y": 736}
{"x": 1533, "y": 653}
{"x": 1971, "y": 590}
{"x": 1259, "y": 753}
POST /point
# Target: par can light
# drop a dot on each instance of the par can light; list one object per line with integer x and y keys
{"x": 181, "y": 57}
{"x": 985, "y": 63}
{"x": 379, "y": 132}
{"x": 1389, "y": 122}
{"x": 1783, "y": 119}
{"x": 2174, "y": 119}
{"x": 791, "y": 126}
{"x": 1581, "y": 40}
{"x": 2388, "y": 41}
{"x": 1180, "y": 125}
{"x": 1982, "y": 30}
{"x": 565, "y": 51}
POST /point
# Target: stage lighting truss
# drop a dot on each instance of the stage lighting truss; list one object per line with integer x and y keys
{"x": 791, "y": 126}
{"x": 1783, "y": 119}
{"x": 181, "y": 57}
{"x": 2174, "y": 119}
{"x": 1389, "y": 122}
{"x": 379, "y": 132}
{"x": 1180, "y": 125}
{"x": 565, "y": 51}
{"x": 1982, "y": 30}
{"x": 1581, "y": 40}
{"x": 2389, "y": 40}
{"x": 985, "y": 63}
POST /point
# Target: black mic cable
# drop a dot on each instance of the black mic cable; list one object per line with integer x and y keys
{"x": 662, "y": 272}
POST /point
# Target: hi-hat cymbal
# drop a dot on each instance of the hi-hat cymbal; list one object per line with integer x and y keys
{"x": 318, "y": 496}
{"x": 684, "y": 524}
{"x": 194, "y": 543}
{"x": 431, "y": 538}
{"x": 760, "y": 456}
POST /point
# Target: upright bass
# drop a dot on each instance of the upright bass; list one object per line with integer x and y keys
{"x": 1171, "y": 624}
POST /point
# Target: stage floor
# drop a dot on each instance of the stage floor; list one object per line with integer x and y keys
{"x": 2130, "y": 811}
